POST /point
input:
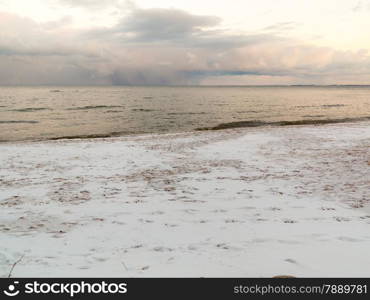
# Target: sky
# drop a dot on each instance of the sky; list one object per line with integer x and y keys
{"x": 173, "y": 42}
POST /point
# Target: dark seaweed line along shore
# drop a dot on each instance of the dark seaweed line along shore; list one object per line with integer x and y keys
{"x": 223, "y": 126}
{"x": 258, "y": 123}
{"x": 78, "y": 137}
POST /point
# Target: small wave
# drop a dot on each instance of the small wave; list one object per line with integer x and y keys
{"x": 142, "y": 109}
{"x": 238, "y": 124}
{"x": 332, "y": 105}
{"x": 249, "y": 112}
{"x": 186, "y": 113}
{"x": 94, "y": 136}
{"x": 148, "y": 97}
{"x": 55, "y": 91}
{"x": 305, "y": 106}
{"x": 18, "y": 122}
{"x": 113, "y": 111}
{"x": 313, "y": 116}
{"x": 258, "y": 123}
{"x": 94, "y": 107}
{"x": 29, "y": 109}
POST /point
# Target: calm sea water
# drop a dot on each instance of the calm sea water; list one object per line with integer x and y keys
{"x": 37, "y": 113}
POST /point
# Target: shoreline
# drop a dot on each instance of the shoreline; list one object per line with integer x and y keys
{"x": 225, "y": 127}
{"x": 240, "y": 202}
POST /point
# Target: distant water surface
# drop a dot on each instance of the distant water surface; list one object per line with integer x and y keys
{"x": 39, "y": 113}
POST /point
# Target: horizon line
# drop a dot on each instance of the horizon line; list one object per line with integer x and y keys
{"x": 190, "y": 85}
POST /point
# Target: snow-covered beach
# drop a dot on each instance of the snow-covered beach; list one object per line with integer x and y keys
{"x": 251, "y": 202}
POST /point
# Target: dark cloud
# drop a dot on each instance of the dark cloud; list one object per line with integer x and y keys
{"x": 49, "y": 70}
{"x": 155, "y": 24}
{"x": 175, "y": 28}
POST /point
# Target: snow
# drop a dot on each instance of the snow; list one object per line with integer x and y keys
{"x": 243, "y": 202}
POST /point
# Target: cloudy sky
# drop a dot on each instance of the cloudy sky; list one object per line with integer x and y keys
{"x": 173, "y": 42}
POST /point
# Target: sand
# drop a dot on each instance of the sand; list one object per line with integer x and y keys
{"x": 255, "y": 202}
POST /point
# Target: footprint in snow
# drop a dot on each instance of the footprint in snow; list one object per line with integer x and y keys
{"x": 290, "y": 260}
{"x": 289, "y": 221}
{"x": 348, "y": 239}
{"x": 342, "y": 219}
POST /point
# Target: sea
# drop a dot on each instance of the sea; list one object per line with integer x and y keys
{"x": 49, "y": 113}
